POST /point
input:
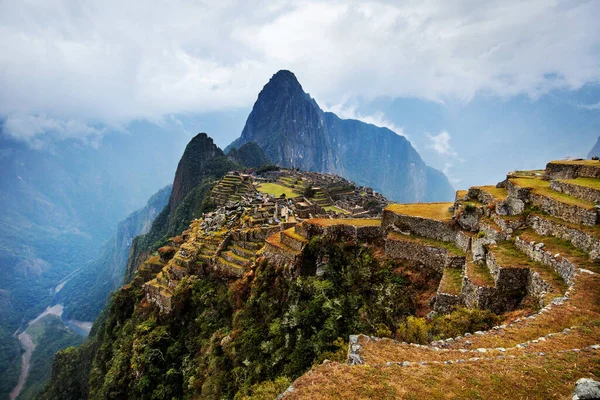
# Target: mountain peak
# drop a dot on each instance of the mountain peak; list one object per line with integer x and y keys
{"x": 283, "y": 81}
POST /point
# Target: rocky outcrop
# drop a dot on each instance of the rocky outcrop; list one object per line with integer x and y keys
{"x": 249, "y": 155}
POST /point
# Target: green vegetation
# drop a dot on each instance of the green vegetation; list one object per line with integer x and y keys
{"x": 458, "y": 322}
{"x": 276, "y": 190}
{"x": 247, "y": 339}
{"x": 10, "y": 361}
{"x": 345, "y": 221}
{"x": 498, "y": 194}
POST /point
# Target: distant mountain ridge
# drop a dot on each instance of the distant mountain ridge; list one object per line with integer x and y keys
{"x": 595, "y": 151}
{"x": 293, "y": 131}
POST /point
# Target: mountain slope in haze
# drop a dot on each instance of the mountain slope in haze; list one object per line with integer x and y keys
{"x": 85, "y": 294}
{"x": 595, "y": 151}
{"x": 59, "y": 204}
{"x": 294, "y": 132}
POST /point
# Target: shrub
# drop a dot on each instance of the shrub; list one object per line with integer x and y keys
{"x": 470, "y": 208}
{"x": 481, "y": 234}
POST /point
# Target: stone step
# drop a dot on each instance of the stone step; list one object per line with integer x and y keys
{"x": 568, "y": 208}
{"x": 290, "y": 238}
{"x": 242, "y": 252}
{"x": 273, "y": 246}
{"x": 229, "y": 268}
{"x": 234, "y": 258}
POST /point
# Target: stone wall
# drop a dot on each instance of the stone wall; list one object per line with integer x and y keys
{"x": 582, "y": 240}
{"x": 571, "y": 171}
{"x": 341, "y": 230}
{"x": 560, "y": 264}
{"x": 425, "y": 227}
{"x": 511, "y": 283}
{"x": 430, "y": 257}
{"x": 567, "y": 212}
{"x": 537, "y": 287}
{"x": 581, "y": 192}
{"x": 463, "y": 241}
{"x": 482, "y": 297}
{"x": 445, "y": 303}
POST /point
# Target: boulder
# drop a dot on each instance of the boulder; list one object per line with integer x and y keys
{"x": 586, "y": 389}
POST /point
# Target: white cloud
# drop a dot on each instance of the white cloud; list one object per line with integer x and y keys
{"x": 109, "y": 62}
{"x": 440, "y": 143}
{"x": 595, "y": 106}
{"x": 348, "y": 111}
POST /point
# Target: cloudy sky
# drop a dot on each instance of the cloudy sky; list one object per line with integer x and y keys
{"x": 477, "y": 86}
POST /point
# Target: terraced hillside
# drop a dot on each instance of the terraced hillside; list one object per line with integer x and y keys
{"x": 495, "y": 295}
{"x": 531, "y": 241}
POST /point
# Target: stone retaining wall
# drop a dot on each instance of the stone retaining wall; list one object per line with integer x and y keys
{"x": 581, "y": 192}
{"x": 511, "y": 283}
{"x": 566, "y": 212}
{"x": 572, "y": 171}
{"x": 560, "y": 264}
{"x": 581, "y": 240}
{"x": 445, "y": 303}
{"x": 431, "y": 257}
{"x": 425, "y": 227}
{"x": 482, "y": 297}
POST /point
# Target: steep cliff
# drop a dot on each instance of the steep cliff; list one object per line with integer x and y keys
{"x": 85, "y": 294}
{"x": 294, "y": 132}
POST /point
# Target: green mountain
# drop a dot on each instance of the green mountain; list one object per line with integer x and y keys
{"x": 293, "y": 131}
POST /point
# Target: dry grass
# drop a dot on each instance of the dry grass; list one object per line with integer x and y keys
{"x": 451, "y": 247}
{"x": 343, "y": 221}
{"x": 527, "y": 377}
{"x": 507, "y": 255}
{"x": 438, "y": 211}
{"x": 542, "y": 187}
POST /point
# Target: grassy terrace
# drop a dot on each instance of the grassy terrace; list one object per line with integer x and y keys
{"x": 276, "y": 190}
{"x": 498, "y": 194}
{"x": 562, "y": 247}
{"x": 343, "y": 221}
{"x": 529, "y": 174}
{"x": 451, "y": 247}
{"x": 438, "y": 211}
{"x": 335, "y": 209}
{"x": 592, "y": 183}
{"x": 292, "y": 233}
{"x": 479, "y": 274}
{"x": 592, "y": 163}
{"x": 542, "y": 187}
{"x": 507, "y": 255}
{"x": 451, "y": 282}
{"x": 461, "y": 193}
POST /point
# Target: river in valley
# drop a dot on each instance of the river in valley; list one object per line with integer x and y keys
{"x": 80, "y": 327}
